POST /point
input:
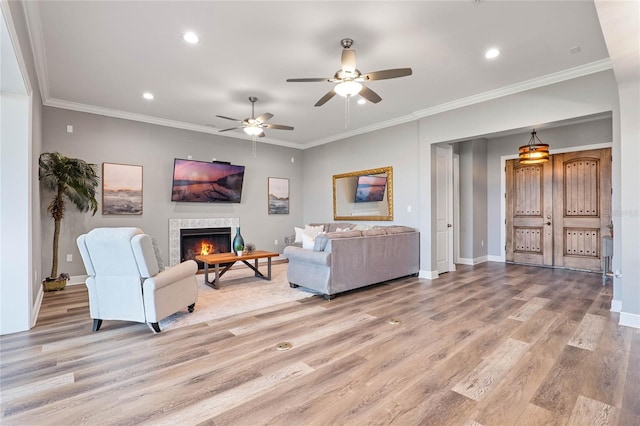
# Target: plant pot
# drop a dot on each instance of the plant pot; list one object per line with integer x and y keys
{"x": 54, "y": 285}
{"x": 239, "y": 252}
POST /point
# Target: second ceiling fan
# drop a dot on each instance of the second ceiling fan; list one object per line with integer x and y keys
{"x": 350, "y": 79}
{"x": 254, "y": 126}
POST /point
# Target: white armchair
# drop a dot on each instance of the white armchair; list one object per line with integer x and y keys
{"x": 124, "y": 280}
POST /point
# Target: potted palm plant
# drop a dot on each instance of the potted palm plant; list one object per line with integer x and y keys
{"x": 69, "y": 179}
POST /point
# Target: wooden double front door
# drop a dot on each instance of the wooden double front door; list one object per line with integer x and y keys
{"x": 558, "y": 211}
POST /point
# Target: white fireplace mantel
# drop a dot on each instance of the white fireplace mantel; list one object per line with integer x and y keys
{"x": 175, "y": 225}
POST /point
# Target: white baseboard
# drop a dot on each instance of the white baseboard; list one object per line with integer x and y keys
{"x": 77, "y": 279}
{"x": 616, "y": 305}
{"x": 36, "y": 307}
{"x": 629, "y": 319}
{"x": 471, "y": 262}
{"x": 491, "y": 258}
{"x": 429, "y": 275}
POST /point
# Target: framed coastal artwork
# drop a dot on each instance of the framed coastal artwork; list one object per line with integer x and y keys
{"x": 121, "y": 189}
{"x": 278, "y": 195}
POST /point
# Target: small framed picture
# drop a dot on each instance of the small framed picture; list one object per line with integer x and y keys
{"x": 278, "y": 195}
{"x": 121, "y": 189}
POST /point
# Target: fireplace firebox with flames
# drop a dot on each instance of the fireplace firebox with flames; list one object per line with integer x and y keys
{"x": 202, "y": 241}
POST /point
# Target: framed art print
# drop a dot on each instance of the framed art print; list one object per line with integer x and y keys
{"x": 121, "y": 189}
{"x": 278, "y": 195}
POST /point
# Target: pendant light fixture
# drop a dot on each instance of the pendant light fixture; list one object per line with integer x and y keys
{"x": 534, "y": 152}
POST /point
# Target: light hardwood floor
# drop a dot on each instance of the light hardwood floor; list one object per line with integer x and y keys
{"x": 492, "y": 344}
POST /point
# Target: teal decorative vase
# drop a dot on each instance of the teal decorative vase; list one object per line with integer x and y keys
{"x": 238, "y": 241}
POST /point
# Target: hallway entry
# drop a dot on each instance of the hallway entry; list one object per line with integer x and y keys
{"x": 557, "y": 212}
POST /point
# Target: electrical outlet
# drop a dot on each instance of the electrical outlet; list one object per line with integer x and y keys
{"x": 409, "y": 208}
{"x": 69, "y": 258}
{"x": 276, "y": 243}
{"x": 482, "y": 243}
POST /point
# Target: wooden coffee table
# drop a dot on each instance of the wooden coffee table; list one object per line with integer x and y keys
{"x": 228, "y": 259}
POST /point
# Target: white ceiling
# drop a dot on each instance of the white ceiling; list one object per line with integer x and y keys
{"x": 100, "y": 56}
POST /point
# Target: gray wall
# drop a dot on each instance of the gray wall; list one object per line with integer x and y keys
{"x": 582, "y": 134}
{"x": 99, "y": 139}
{"x": 394, "y": 146}
{"x": 473, "y": 198}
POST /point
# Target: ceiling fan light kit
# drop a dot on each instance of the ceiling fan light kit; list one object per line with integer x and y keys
{"x": 534, "y": 152}
{"x": 348, "y": 88}
{"x": 253, "y": 130}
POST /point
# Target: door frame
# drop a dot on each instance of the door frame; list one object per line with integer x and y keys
{"x": 503, "y": 188}
{"x": 449, "y": 203}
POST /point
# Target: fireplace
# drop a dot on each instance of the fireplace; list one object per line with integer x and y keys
{"x": 177, "y": 225}
{"x": 197, "y": 241}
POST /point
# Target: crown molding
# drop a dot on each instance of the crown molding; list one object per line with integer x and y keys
{"x": 31, "y": 11}
{"x": 534, "y": 83}
{"x": 557, "y": 77}
{"x": 367, "y": 129}
{"x": 75, "y": 106}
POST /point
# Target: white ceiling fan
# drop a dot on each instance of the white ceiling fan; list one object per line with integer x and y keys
{"x": 254, "y": 126}
{"x": 350, "y": 79}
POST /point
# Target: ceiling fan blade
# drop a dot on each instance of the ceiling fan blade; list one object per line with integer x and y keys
{"x": 277, "y": 126}
{"x": 323, "y": 100}
{"x": 230, "y": 128}
{"x": 229, "y": 118}
{"x": 385, "y": 74}
{"x": 348, "y": 60}
{"x": 264, "y": 117}
{"x": 307, "y": 80}
{"x": 370, "y": 95}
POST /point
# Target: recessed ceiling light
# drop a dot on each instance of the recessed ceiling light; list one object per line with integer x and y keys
{"x": 362, "y": 101}
{"x": 190, "y": 37}
{"x": 148, "y": 96}
{"x": 492, "y": 53}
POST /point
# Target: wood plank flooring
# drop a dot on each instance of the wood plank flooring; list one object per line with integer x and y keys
{"x": 492, "y": 344}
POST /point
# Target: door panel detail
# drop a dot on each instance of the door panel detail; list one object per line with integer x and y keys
{"x": 528, "y": 190}
{"x": 582, "y": 242}
{"x": 528, "y": 240}
{"x": 581, "y": 188}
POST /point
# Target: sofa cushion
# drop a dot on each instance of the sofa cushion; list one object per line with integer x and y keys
{"x": 307, "y": 241}
{"x": 321, "y": 242}
{"x": 372, "y": 232}
{"x": 343, "y": 234}
{"x": 333, "y": 227}
{"x": 309, "y": 236}
{"x": 395, "y": 229}
{"x": 360, "y": 227}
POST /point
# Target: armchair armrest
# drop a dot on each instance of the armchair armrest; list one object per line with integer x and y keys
{"x": 171, "y": 275}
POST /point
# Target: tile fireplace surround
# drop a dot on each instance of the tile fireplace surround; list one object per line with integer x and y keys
{"x": 175, "y": 225}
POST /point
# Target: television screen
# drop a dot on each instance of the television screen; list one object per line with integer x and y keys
{"x": 201, "y": 181}
{"x": 370, "y": 188}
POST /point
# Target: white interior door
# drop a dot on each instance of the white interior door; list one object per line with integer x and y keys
{"x": 444, "y": 210}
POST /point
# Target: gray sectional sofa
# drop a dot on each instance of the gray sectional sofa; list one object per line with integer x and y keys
{"x": 343, "y": 261}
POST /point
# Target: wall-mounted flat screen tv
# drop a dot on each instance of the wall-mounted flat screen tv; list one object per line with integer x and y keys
{"x": 370, "y": 188}
{"x": 204, "y": 182}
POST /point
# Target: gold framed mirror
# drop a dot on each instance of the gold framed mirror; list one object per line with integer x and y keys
{"x": 363, "y": 195}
